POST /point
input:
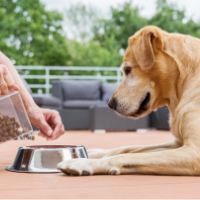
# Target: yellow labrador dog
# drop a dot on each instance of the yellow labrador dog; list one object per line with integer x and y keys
{"x": 159, "y": 69}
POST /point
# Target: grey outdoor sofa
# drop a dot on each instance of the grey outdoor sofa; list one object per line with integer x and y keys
{"x": 83, "y": 106}
{"x": 159, "y": 119}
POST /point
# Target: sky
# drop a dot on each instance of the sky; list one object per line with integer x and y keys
{"x": 192, "y": 6}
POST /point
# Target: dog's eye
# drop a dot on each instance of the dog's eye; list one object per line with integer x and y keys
{"x": 127, "y": 70}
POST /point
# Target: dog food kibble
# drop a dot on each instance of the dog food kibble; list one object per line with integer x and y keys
{"x": 17, "y": 124}
{"x": 12, "y": 118}
{"x": 6, "y": 134}
{"x": 25, "y": 130}
{"x": 11, "y": 128}
{"x": 4, "y": 128}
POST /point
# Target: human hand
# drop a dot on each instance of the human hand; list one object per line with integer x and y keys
{"x": 48, "y": 121}
{"x": 7, "y": 83}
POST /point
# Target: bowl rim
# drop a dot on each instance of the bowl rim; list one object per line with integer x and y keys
{"x": 53, "y": 146}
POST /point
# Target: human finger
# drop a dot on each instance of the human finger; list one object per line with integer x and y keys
{"x": 42, "y": 134}
{"x": 56, "y": 124}
{"x": 44, "y": 126}
{"x": 8, "y": 78}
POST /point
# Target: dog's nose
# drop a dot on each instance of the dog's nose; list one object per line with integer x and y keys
{"x": 112, "y": 103}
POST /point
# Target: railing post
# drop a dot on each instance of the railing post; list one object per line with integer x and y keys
{"x": 118, "y": 76}
{"x": 47, "y": 82}
{"x": 99, "y": 75}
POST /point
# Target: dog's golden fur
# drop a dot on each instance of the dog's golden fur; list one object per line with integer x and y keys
{"x": 166, "y": 65}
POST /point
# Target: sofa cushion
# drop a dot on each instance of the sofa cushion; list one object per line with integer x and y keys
{"x": 42, "y": 100}
{"x": 81, "y": 103}
{"x": 107, "y": 90}
{"x": 81, "y": 90}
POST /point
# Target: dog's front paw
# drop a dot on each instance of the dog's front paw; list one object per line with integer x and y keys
{"x": 86, "y": 167}
{"x": 76, "y": 167}
{"x": 97, "y": 153}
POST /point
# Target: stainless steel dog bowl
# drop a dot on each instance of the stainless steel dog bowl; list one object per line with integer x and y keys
{"x": 44, "y": 158}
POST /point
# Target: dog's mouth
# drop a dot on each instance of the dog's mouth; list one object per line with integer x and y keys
{"x": 143, "y": 105}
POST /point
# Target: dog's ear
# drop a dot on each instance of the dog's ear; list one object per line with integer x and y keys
{"x": 143, "y": 48}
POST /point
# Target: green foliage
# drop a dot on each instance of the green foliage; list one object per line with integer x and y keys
{"x": 91, "y": 53}
{"x": 171, "y": 19}
{"x": 125, "y": 20}
{"x": 80, "y": 18}
{"x": 30, "y": 35}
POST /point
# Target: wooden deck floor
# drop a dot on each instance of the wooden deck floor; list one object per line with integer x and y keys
{"x": 48, "y": 186}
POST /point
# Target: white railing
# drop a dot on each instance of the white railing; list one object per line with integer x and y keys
{"x": 47, "y": 77}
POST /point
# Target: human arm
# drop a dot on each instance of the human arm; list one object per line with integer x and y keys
{"x": 48, "y": 121}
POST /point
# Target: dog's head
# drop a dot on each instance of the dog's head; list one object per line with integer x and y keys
{"x": 141, "y": 89}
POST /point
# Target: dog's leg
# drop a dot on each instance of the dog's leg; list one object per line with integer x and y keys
{"x": 181, "y": 161}
{"x": 100, "y": 153}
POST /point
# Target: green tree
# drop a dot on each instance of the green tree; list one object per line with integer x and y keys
{"x": 79, "y": 20}
{"x": 30, "y": 35}
{"x": 85, "y": 51}
{"x": 91, "y": 53}
{"x": 172, "y": 19}
{"x": 125, "y": 20}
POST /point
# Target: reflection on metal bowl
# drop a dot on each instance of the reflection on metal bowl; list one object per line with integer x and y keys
{"x": 44, "y": 158}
